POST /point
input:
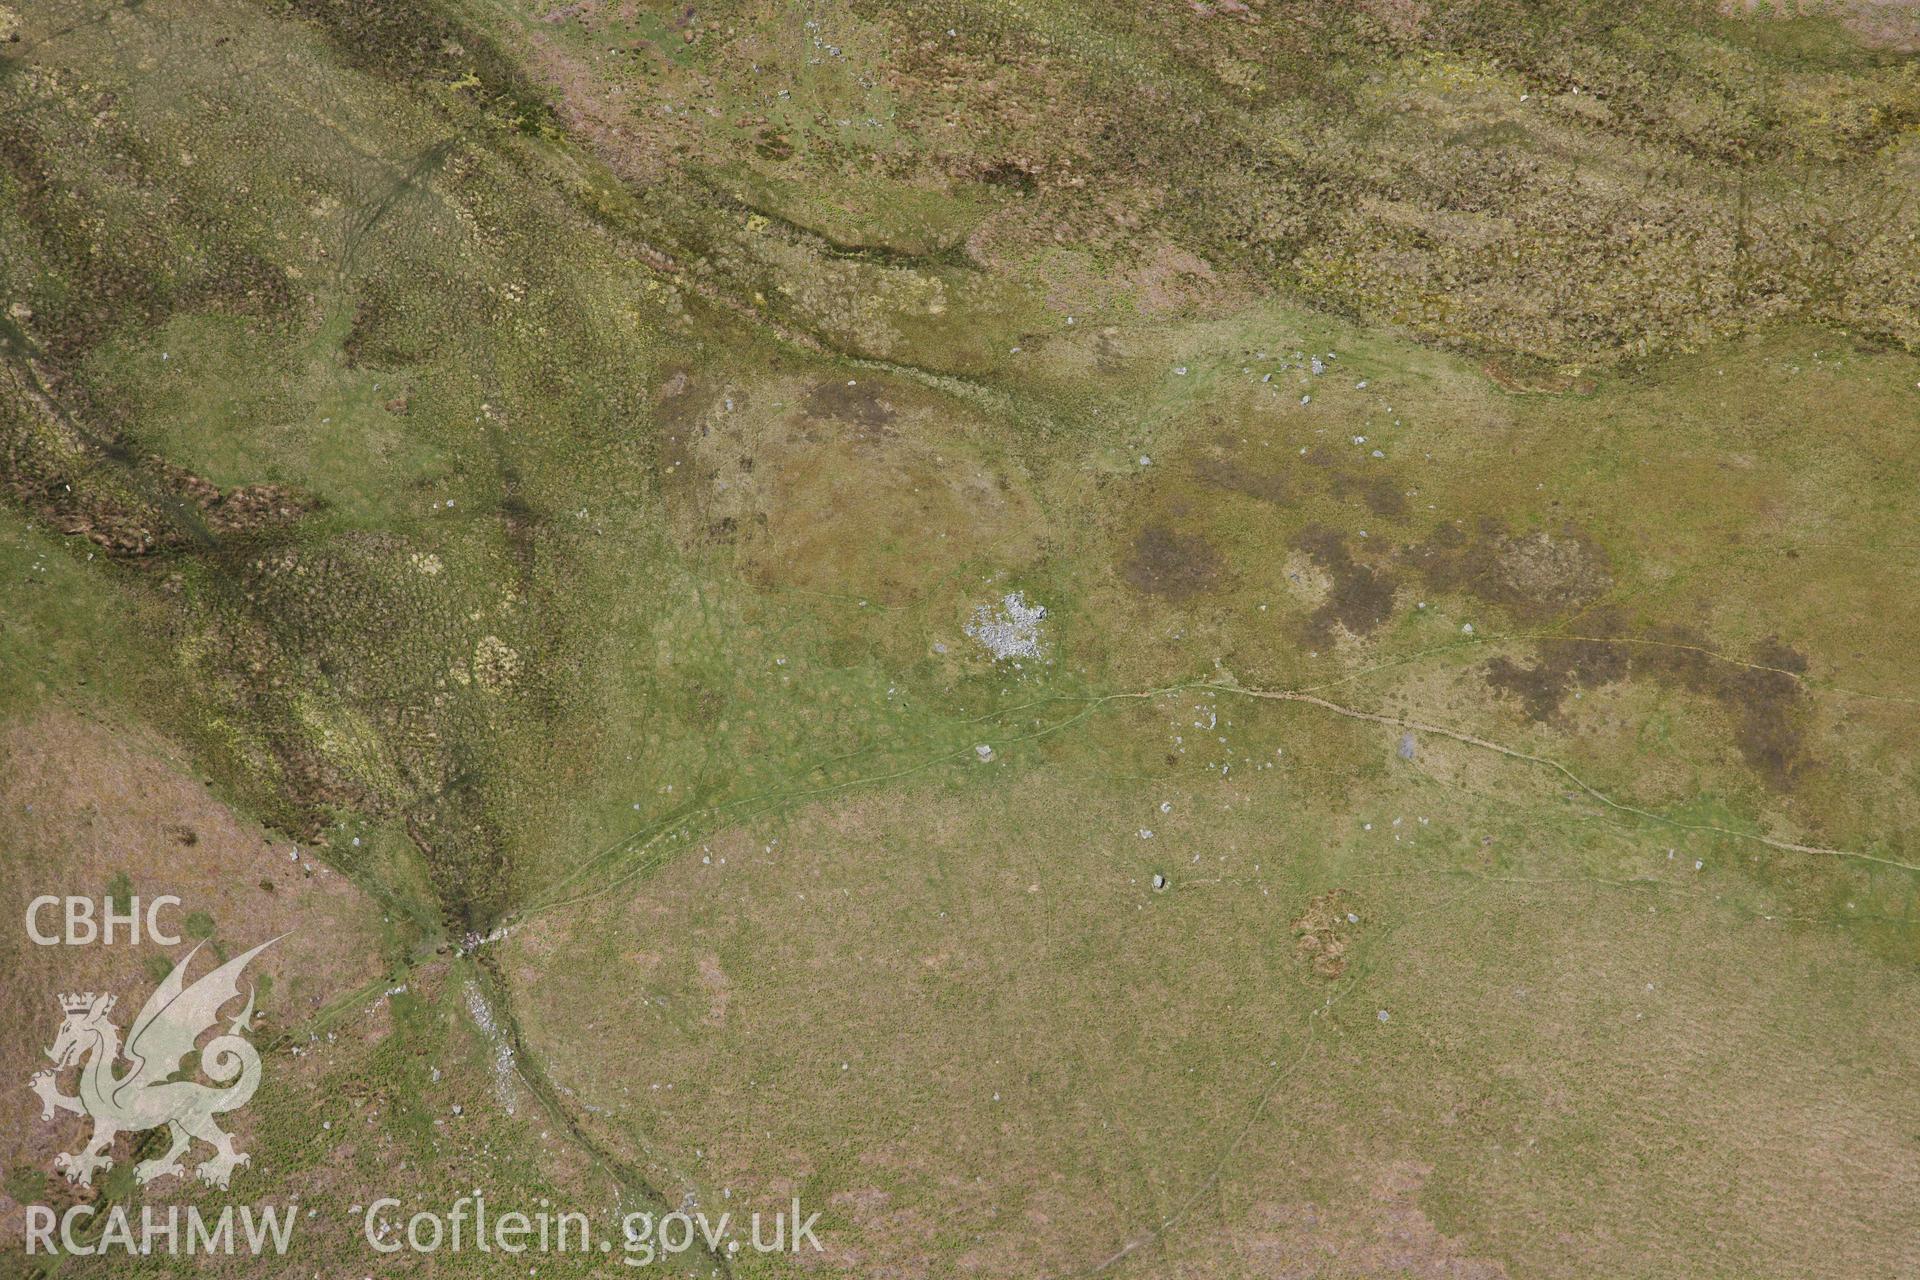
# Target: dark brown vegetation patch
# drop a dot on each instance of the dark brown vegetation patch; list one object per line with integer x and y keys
{"x": 1764, "y": 699}
{"x": 1234, "y": 476}
{"x": 242, "y": 511}
{"x": 1359, "y": 598}
{"x": 849, "y": 401}
{"x": 1761, "y": 695}
{"x": 1377, "y": 488}
{"x": 1536, "y": 575}
{"x": 1559, "y": 666}
{"x": 124, "y": 502}
{"x": 1381, "y": 494}
{"x": 1170, "y": 564}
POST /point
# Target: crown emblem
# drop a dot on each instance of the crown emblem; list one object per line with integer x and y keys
{"x": 80, "y": 1002}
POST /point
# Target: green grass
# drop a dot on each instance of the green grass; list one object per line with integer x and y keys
{"x": 654, "y": 464}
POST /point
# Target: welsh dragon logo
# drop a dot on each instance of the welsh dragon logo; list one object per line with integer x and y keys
{"x": 144, "y": 1096}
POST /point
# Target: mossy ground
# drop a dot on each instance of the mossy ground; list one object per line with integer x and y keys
{"x": 543, "y": 462}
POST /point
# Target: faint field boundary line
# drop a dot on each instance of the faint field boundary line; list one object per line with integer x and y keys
{"x": 679, "y": 825}
{"x": 1212, "y": 1180}
{"x": 1805, "y": 681}
{"x": 1315, "y": 1017}
{"x": 1799, "y": 677}
{"x": 1513, "y": 753}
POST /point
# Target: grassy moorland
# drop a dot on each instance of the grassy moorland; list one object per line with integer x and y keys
{"x": 544, "y": 501}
